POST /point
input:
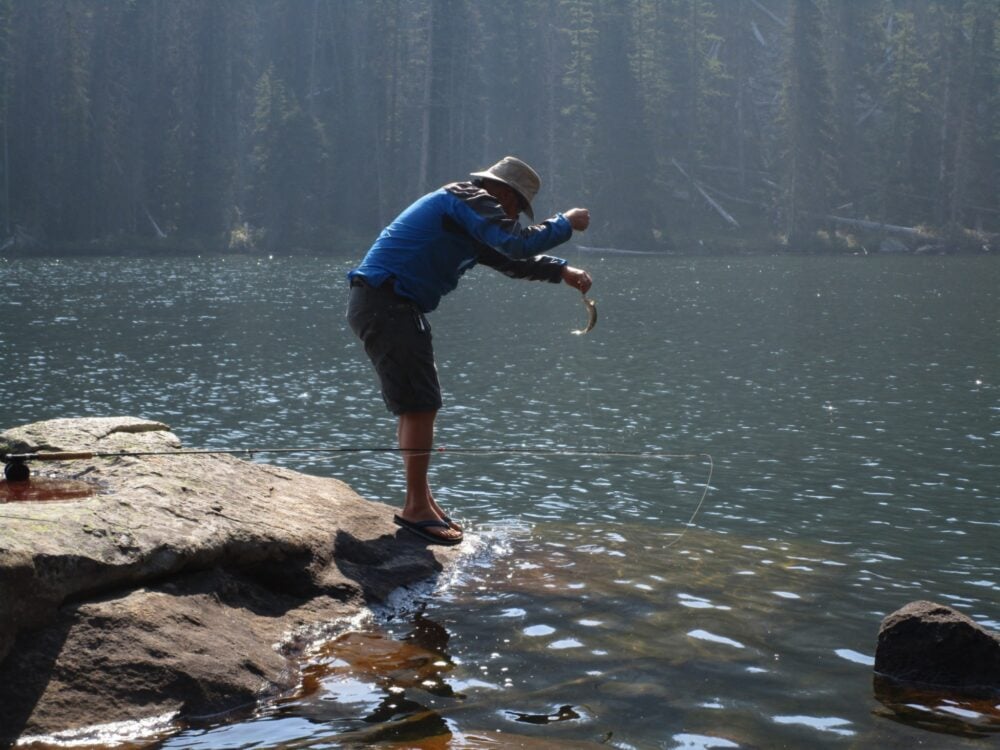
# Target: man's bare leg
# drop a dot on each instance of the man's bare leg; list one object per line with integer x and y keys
{"x": 416, "y": 440}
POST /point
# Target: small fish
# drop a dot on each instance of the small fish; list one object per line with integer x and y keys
{"x": 591, "y": 316}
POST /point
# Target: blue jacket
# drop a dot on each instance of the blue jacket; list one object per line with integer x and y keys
{"x": 445, "y": 233}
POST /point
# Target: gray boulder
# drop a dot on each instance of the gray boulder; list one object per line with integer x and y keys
{"x": 893, "y": 245}
{"x": 933, "y": 644}
{"x": 180, "y": 585}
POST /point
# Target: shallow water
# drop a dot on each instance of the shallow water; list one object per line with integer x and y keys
{"x": 851, "y": 407}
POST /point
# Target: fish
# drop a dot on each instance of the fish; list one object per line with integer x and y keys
{"x": 591, "y": 316}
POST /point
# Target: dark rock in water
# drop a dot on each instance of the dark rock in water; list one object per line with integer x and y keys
{"x": 893, "y": 245}
{"x": 183, "y": 585}
{"x": 933, "y": 644}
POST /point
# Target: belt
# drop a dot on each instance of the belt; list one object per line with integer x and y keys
{"x": 386, "y": 287}
{"x": 389, "y": 284}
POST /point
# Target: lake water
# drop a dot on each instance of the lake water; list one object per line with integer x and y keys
{"x": 850, "y": 407}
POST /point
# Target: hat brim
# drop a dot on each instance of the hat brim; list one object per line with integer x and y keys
{"x": 525, "y": 203}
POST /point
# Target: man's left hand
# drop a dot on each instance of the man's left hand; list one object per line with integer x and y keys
{"x": 577, "y": 278}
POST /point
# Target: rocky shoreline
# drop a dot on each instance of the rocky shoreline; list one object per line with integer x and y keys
{"x": 179, "y": 585}
{"x": 152, "y": 591}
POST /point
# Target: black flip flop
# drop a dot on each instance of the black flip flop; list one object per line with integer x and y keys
{"x": 417, "y": 527}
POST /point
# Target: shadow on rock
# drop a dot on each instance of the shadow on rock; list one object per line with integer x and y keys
{"x": 380, "y": 565}
{"x": 25, "y": 676}
{"x": 184, "y": 588}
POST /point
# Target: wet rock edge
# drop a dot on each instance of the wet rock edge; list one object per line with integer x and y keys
{"x": 186, "y": 586}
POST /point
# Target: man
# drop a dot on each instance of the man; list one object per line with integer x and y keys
{"x": 418, "y": 259}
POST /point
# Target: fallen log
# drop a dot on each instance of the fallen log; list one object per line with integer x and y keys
{"x": 711, "y": 201}
{"x": 877, "y": 226}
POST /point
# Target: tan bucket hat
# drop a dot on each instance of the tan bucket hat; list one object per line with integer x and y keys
{"x": 517, "y": 175}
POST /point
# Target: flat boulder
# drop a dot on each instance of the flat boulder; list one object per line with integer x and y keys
{"x": 174, "y": 585}
{"x": 935, "y": 645}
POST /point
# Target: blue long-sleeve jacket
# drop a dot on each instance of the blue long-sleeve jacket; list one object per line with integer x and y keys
{"x": 445, "y": 233}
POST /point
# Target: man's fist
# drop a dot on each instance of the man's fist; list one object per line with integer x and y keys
{"x": 579, "y": 218}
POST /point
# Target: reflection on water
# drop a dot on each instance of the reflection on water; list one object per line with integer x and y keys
{"x": 851, "y": 407}
{"x": 938, "y": 711}
{"x": 708, "y": 647}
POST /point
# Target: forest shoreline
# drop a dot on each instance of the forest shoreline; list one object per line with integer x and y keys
{"x": 722, "y": 245}
{"x": 276, "y": 124}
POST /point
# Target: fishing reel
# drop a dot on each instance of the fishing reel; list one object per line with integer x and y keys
{"x": 16, "y": 469}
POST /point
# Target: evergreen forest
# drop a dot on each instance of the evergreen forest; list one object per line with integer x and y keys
{"x": 684, "y": 125}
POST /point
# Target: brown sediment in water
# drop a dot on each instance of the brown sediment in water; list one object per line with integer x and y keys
{"x": 397, "y": 674}
{"x": 373, "y": 655}
{"x": 45, "y": 489}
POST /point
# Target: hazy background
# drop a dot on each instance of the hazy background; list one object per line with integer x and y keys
{"x": 686, "y": 125}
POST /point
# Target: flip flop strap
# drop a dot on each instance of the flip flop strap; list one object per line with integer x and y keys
{"x": 428, "y": 524}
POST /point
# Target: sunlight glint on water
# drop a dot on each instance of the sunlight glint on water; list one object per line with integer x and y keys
{"x": 850, "y": 405}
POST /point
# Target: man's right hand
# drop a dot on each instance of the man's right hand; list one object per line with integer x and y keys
{"x": 578, "y": 218}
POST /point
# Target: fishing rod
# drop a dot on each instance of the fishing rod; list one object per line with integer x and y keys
{"x": 16, "y": 469}
{"x": 16, "y": 464}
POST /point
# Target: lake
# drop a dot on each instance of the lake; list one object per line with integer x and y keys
{"x": 831, "y": 425}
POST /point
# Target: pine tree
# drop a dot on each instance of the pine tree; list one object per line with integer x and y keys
{"x": 806, "y": 122}
{"x": 576, "y": 95}
{"x": 623, "y": 155}
{"x": 6, "y": 29}
{"x": 286, "y": 141}
{"x": 973, "y": 188}
{"x": 850, "y": 51}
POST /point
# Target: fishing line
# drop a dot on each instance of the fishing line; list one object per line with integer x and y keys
{"x": 591, "y": 307}
{"x": 18, "y": 461}
{"x": 579, "y": 348}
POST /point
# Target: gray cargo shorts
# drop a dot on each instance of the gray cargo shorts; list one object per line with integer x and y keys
{"x": 397, "y": 339}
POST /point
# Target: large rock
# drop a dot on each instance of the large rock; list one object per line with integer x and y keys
{"x": 933, "y": 644}
{"x": 184, "y": 585}
{"x": 893, "y": 245}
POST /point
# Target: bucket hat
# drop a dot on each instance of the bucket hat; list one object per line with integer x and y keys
{"x": 518, "y": 176}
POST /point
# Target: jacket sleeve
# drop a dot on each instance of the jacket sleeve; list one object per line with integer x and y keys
{"x": 483, "y": 218}
{"x": 539, "y": 268}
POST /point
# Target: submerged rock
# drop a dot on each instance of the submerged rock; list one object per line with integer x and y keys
{"x": 181, "y": 585}
{"x": 933, "y": 644}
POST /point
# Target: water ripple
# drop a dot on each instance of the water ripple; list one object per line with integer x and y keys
{"x": 855, "y": 471}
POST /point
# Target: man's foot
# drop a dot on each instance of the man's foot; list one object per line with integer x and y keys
{"x": 434, "y": 530}
{"x": 444, "y": 517}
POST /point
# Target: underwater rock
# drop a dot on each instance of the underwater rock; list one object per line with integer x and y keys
{"x": 933, "y": 644}
{"x": 180, "y": 585}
